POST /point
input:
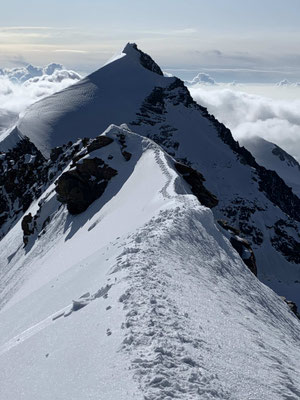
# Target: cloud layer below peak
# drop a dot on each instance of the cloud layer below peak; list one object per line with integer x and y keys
{"x": 249, "y": 115}
{"x": 20, "y": 87}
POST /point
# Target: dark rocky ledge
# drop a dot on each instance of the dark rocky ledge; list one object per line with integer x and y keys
{"x": 241, "y": 245}
{"x": 79, "y": 187}
{"x": 292, "y": 306}
{"x": 195, "y": 180}
{"x": 146, "y": 61}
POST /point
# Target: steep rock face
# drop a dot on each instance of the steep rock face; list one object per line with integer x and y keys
{"x": 27, "y": 227}
{"x": 145, "y": 60}
{"x": 22, "y": 174}
{"x": 266, "y": 192}
{"x": 79, "y": 187}
{"x": 25, "y": 174}
{"x": 241, "y": 245}
{"x": 293, "y": 306}
{"x": 195, "y": 180}
{"x": 287, "y": 243}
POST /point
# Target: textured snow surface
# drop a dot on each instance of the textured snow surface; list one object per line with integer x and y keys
{"x": 140, "y": 297}
{"x": 113, "y": 94}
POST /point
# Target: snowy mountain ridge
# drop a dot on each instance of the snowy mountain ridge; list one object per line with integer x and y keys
{"x": 146, "y": 295}
{"x": 116, "y": 281}
{"x": 254, "y": 200}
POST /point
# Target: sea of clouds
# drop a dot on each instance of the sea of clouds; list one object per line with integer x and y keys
{"x": 245, "y": 114}
{"x": 20, "y": 87}
{"x": 248, "y": 115}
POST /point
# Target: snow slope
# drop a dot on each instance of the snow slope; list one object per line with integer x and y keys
{"x": 168, "y": 309}
{"x": 131, "y": 89}
{"x": 273, "y": 157}
{"x": 113, "y": 94}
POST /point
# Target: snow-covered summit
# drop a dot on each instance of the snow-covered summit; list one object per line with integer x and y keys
{"x": 113, "y": 94}
{"x": 131, "y": 50}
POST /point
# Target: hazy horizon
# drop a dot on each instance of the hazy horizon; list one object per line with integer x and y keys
{"x": 220, "y": 38}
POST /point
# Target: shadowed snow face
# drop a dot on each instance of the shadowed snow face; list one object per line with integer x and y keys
{"x": 251, "y": 115}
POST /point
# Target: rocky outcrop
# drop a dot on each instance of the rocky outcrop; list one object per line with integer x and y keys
{"x": 241, "y": 212}
{"x": 79, "y": 187}
{"x": 127, "y": 156}
{"x": 292, "y": 306}
{"x": 284, "y": 240}
{"x": 28, "y": 225}
{"x": 145, "y": 60}
{"x": 98, "y": 143}
{"x": 195, "y": 180}
{"x": 241, "y": 245}
{"x": 22, "y": 174}
{"x": 25, "y": 174}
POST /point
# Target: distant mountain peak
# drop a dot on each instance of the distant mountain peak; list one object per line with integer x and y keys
{"x": 145, "y": 60}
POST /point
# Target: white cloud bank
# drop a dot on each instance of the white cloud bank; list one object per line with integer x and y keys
{"x": 251, "y": 115}
{"x": 287, "y": 83}
{"x": 203, "y": 79}
{"x": 20, "y": 87}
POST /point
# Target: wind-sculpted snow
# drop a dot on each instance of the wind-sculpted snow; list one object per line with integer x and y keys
{"x": 139, "y": 297}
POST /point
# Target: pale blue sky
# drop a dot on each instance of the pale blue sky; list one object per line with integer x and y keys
{"x": 239, "y": 39}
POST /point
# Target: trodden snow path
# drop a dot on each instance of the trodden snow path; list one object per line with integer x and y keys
{"x": 199, "y": 325}
{"x": 183, "y": 316}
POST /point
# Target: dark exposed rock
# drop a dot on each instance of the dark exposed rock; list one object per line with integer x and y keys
{"x": 55, "y": 153}
{"x": 146, "y": 61}
{"x": 28, "y": 226}
{"x": 126, "y": 155}
{"x": 123, "y": 145}
{"x": 21, "y": 175}
{"x": 241, "y": 245}
{"x": 292, "y": 306}
{"x": 24, "y": 175}
{"x": 152, "y": 113}
{"x": 245, "y": 251}
{"x": 239, "y": 213}
{"x": 79, "y": 187}
{"x": 274, "y": 187}
{"x": 195, "y": 180}
{"x": 98, "y": 143}
{"x": 224, "y": 224}
{"x": 284, "y": 242}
